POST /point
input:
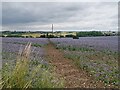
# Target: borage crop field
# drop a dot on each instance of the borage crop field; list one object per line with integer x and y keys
{"x": 96, "y": 56}
{"x": 24, "y": 64}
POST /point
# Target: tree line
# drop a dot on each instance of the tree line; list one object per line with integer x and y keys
{"x": 46, "y": 34}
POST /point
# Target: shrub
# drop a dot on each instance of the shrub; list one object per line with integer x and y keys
{"x": 42, "y": 36}
{"x": 75, "y": 37}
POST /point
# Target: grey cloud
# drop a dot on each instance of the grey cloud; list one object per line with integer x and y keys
{"x": 44, "y": 13}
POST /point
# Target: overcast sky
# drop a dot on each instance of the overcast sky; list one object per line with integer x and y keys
{"x": 65, "y": 16}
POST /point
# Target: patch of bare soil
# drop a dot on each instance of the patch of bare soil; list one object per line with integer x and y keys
{"x": 65, "y": 68}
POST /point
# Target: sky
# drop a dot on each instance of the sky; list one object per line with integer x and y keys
{"x": 65, "y": 16}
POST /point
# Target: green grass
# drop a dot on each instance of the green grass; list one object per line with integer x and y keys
{"x": 28, "y": 74}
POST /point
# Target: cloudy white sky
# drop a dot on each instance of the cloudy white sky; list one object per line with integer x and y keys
{"x": 82, "y": 16}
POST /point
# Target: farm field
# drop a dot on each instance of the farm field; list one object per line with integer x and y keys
{"x": 25, "y": 66}
{"x": 96, "y": 55}
{"x": 92, "y": 60}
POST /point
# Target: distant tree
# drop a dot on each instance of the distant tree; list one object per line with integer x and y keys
{"x": 75, "y": 37}
{"x": 11, "y": 35}
{"x": 91, "y": 33}
{"x": 47, "y": 34}
{"x": 69, "y": 35}
{"x": 31, "y": 36}
{"x": 61, "y": 36}
{"x": 42, "y": 36}
{"x": 51, "y": 36}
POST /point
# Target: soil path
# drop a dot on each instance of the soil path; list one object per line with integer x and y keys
{"x": 65, "y": 68}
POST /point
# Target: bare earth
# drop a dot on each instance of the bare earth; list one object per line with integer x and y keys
{"x": 65, "y": 68}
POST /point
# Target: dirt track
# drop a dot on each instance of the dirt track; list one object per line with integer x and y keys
{"x": 65, "y": 68}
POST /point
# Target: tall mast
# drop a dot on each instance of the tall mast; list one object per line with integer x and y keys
{"x": 52, "y": 29}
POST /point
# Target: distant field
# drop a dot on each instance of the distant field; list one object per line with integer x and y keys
{"x": 33, "y": 35}
{"x": 98, "y": 43}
